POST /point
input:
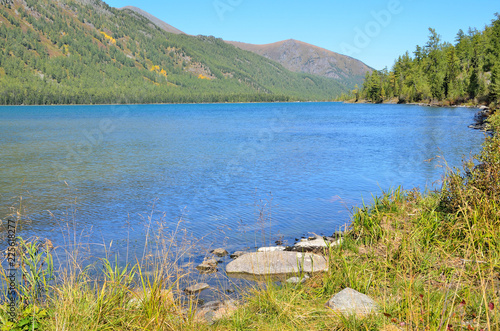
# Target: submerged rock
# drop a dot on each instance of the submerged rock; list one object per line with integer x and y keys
{"x": 219, "y": 252}
{"x": 208, "y": 265}
{"x": 196, "y": 288}
{"x": 352, "y": 302}
{"x": 276, "y": 263}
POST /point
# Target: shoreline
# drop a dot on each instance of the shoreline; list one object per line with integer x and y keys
{"x": 428, "y": 103}
{"x": 173, "y": 103}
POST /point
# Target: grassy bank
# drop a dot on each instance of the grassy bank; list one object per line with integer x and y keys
{"x": 431, "y": 262}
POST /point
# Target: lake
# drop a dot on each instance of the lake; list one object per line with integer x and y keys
{"x": 231, "y": 175}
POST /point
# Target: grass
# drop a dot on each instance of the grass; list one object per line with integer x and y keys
{"x": 431, "y": 262}
{"x": 102, "y": 295}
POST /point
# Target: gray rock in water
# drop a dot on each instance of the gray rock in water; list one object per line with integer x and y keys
{"x": 276, "y": 263}
{"x": 208, "y": 266}
{"x": 271, "y": 249}
{"x": 219, "y": 252}
{"x": 315, "y": 244}
{"x": 351, "y": 302}
{"x": 196, "y": 288}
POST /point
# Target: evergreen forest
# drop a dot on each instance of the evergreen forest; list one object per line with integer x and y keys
{"x": 467, "y": 71}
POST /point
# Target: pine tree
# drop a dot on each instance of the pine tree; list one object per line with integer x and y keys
{"x": 374, "y": 92}
{"x": 495, "y": 83}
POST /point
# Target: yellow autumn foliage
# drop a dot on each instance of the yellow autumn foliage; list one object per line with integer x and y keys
{"x": 159, "y": 70}
{"x": 203, "y": 77}
{"x": 113, "y": 40}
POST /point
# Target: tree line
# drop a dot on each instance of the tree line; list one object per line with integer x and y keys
{"x": 467, "y": 71}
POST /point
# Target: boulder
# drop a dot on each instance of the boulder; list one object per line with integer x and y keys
{"x": 352, "y": 302}
{"x": 271, "y": 249}
{"x": 276, "y": 263}
{"x": 196, "y": 288}
{"x": 219, "y": 252}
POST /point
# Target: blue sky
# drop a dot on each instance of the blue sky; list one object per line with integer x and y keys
{"x": 373, "y": 31}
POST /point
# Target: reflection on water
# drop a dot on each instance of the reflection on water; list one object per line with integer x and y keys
{"x": 235, "y": 174}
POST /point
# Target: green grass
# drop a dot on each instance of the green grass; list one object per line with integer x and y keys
{"x": 431, "y": 262}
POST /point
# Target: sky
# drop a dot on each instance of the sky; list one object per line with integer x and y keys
{"x": 373, "y": 31}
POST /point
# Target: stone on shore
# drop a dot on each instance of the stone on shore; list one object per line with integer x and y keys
{"x": 271, "y": 249}
{"x": 352, "y": 302}
{"x": 276, "y": 263}
{"x": 196, "y": 288}
{"x": 219, "y": 252}
{"x": 317, "y": 243}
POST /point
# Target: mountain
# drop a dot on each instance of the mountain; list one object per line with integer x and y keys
{"x": 299, "y": 56}
{"x": 294, "y": 55}
{"x": 156, "y": 21}
{"x": 84, "y": 51}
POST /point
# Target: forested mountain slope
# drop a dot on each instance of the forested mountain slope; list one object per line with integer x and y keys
{"x": 79, "y": 52}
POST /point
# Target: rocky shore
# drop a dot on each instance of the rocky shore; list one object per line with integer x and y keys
{"x": 481, "y": 117}
{"x": 286, "y": 264}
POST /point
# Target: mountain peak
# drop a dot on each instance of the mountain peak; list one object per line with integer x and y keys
{"x": 299, "y": 56}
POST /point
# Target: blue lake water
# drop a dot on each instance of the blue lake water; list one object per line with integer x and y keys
{"x": 236, "y": 175}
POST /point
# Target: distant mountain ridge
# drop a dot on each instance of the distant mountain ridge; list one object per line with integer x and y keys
{"x": 299, "y": 56}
